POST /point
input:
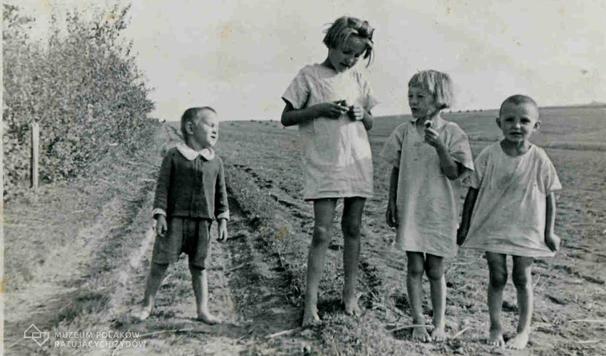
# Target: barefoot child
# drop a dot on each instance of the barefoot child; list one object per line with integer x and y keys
{"x": 427, "y": 154}
{"x": 510, "y": 210}
{"x": 190, "y": 194}
{"x": 331, "y": 103}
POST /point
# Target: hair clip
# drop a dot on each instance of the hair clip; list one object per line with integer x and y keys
{"x": 367, "y": 30}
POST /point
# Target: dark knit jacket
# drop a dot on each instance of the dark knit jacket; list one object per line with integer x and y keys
{"x": 193, "y": 189}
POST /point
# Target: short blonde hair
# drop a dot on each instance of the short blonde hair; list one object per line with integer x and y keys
{"x": 346, "y": 26}
{"x": 519, "y": 99}
{"x": 437, "y": 83}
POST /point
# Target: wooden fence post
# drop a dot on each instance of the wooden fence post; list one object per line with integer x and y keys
{"x": 35, "y": 154}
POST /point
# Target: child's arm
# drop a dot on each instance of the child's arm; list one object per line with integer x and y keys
{"x": 368, "y": 120}
{"x": 451, "y": 168}
{"x": 391, "y": 213}
{"x": 292, "y": 116}
{"x": 551, "y": 239}
{"x": 221, "y": 203}
{"x": 360, "y": 114}
{"x": 470, "y": 202}
{"x": 161, "y": 197}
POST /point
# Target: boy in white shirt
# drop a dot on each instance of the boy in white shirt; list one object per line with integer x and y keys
{"x": 510, "y": 210}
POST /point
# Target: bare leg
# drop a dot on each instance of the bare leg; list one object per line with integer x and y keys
{"x": 415, "y": 294}
{"x": 522, "y": 279}
{"x": 497, "y": 267}
{"x": 324, "y": 210}
{"x": 156, "y": 275}
{"x": 434, "y": 267}
{"x": 200, "y": 285}
{"x": 350, "y": 224}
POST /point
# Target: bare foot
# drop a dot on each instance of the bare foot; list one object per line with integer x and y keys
{"x": 310, "y": 317}
{"x": 518, "y": 342}
{"x": 208, "y": 318}
{"x": 351, "y": 306}
{"x": 420, "y": 333}
{"x": 142, "y": 314}
{"x": 496, "y": 338}
{"x": 438, "y": 334}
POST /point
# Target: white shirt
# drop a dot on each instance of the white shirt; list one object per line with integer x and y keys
{"x": 510, "y": 210}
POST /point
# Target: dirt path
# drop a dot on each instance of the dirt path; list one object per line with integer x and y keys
{"x": 248, "y": 291}
{"x": 92, "y": 273}
{"x": 78, "y": 256}
{"x": 69, "y": 248}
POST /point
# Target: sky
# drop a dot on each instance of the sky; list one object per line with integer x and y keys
{"x": 240, "y": 55}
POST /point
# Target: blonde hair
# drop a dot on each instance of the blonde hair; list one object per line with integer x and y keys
{"x": 346, "y": 26}
{"x": 438, "y": 84}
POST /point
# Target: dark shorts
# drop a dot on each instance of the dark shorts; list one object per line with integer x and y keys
{"x": 191, "y": 236}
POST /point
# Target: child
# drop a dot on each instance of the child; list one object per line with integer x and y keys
{"x": 331, "y": 103}
{"x": 427, "y": 154}
{"x": 190, "y": 193}
{"x": 510, "y": 210}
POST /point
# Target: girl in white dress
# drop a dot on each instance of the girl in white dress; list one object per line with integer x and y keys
{"x": 331, "y": 103}
{"x": 427, "y": 153}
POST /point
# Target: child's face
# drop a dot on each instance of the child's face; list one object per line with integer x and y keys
{"x": 518, "y": 121}
{"x": 205, "y": 129}
{"x": 347, "y": 55}
{"x": 421, "y": 103}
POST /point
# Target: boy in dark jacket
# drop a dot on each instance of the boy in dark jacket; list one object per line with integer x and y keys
{"x": 190, "y": 194}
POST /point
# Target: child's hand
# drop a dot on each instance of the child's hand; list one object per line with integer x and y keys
{"x": 161, "y": 226}
{"x": 332, "y": 110}
{"x": 552, "y": 241}
{"x": 391, "y": 214}
{"x": 432, "y": 137}
{"x": 222, "y": 230}
{"x": 356, "y": 112}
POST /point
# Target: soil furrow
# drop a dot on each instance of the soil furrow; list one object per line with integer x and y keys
{"x": 249, "y": 290}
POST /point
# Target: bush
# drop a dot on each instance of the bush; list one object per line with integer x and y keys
{"x": 82, "y": 87}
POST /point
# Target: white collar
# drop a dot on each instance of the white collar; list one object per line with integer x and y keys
{"x": 191, "y": 154}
